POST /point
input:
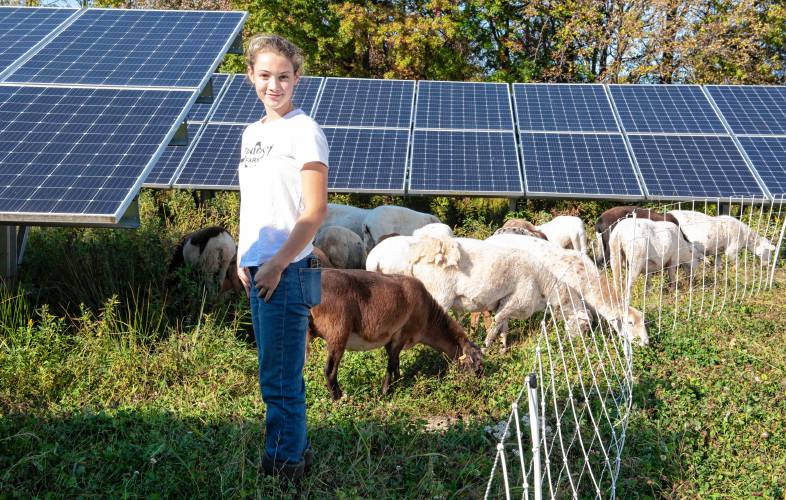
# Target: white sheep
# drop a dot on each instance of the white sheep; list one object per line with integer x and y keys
{"x": 388, "y": 219}
{"x": 342, "y": 246}
{"x": 435, "y": 230}
{"x": 579, "y": 273}
{"x": 471, "y": 275}
{"x": 567, "y": 232}
{"x": 346, "y": 216}
{"x": 723, "y": 234}
{"x": 648, "y": 246}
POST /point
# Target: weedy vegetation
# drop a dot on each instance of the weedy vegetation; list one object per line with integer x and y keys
{"x": 112, "y": 384}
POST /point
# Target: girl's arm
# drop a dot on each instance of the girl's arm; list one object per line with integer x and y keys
{"x": 313, "y": 178}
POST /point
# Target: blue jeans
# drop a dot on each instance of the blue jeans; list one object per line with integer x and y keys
{"x": 280, "y": 327}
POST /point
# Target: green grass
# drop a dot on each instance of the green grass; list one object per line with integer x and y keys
{"x": 143, "y": 392}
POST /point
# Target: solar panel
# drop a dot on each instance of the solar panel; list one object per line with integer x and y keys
{"x": 134, "y": 48}
{"x": 751, "y": 110}
{"x": 582, "y": 165}
{"x": 354, "y": 102}
{"x": 463, "y": 105}
{"x": 665, "y": 108}
{"x": 678, "y": 166}
{"x": 563, "y": 108}
{"x": 768, "y": 155}
{"x": 199, "y": 111}
{"x": 22, "y": 27}
{"x": 241, "y": 104}
{"x": 446, "y": 162}
{"x": 214, "y": 160}
{"x": 77, "y": 154}
{"x": 367, "y": 160}
{"x": 166, "y": 166}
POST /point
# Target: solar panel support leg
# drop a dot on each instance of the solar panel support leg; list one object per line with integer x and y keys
{"x": 724, "y": 208}
{"x": 513, "y": 204}
{"x": 206, "y": 96}
{"x": 9, "y": 251}
{"x": 237, "y": 45}
{"x": 202, "y": 196}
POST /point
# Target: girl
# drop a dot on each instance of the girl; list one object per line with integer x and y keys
{"x": 283, "y": 201}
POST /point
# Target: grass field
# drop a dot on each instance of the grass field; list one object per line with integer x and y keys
{"x": 139, "y": 393}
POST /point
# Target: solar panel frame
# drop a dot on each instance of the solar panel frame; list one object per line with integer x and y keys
{"x": 26, "y": 74}
{"x": 323, "y": 116}
{"x": 518, "y": 91}
{"x": 759, "y": 118}
{"x": 652, "y": 176}
{"x": 414, "y": 169}
{"x": 29, "y": 43}
{"x": 431, "y": 90}
{"x": 626, "y": 102}
{"x": 84, "y": 217}
{"x": 628, "y": 192}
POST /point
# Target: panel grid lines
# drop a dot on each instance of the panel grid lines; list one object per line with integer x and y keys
{"x": 21, "y": 28}
{"x": 56, "y": 153}
{"x": 463, "y": 106}
{"x": 563, "y": 108}
{"x": 366, "y": 103}
{"x": 112, "y": 47}
{"x": 751, "y": 110}
{"x": 214, "y": 159}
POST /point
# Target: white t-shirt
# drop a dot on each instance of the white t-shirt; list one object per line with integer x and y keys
{"x": 271, "y": 199}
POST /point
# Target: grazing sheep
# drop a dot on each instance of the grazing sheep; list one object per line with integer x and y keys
{"x": 471, "y": 275}
{"x": 361, "y": 311}
{"x": 343, "y": 247}
{"x": 521, "y": 227}
{"x": 723, "y": 234}
{"x": 387, "y": 219}
{"x": 648, "y": 246}
{"x": 213, "y": 252}
{"x": 567, "y": 232}
{"x": 346, "y": 216}
{"x": 435, "y": 230}
{"x": 608, "y": 219}
{"x": 579, "y": 273}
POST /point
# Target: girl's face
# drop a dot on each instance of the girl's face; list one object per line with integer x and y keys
{"x": 274, "y": 80}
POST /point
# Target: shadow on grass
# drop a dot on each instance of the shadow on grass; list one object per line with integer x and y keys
{"x": 155, "y": 454}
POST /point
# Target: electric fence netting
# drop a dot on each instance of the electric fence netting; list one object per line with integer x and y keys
{"x": 565, "y": 434}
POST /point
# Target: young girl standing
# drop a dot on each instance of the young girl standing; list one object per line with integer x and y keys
{"x": 283, "y": 201}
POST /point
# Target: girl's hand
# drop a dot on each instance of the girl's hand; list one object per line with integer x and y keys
{"x": 242, "y": 273}
{"x": 267, "y": 278}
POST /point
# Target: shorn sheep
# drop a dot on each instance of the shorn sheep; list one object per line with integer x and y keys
{"x": 387, "y": 219}
{"x": 343, "y": 247}
{"x": 646, "y": 246}
{"x": 213, "y": 252}
{"x": 608, "y": 219}
{"x": 471, "y": 275}
{"x": 567, "y": 232}
{"x": 361, "y": 311}
{"x": 723, "y": 234}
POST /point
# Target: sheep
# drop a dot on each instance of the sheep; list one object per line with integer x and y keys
{"x": 346, "y": 216}
{"x": 387, "y": 219}
{"x": 579, "y": 273}
{"x": 567, "y": 232}
{"x": 213, "y": 251}
{"x": 471, "y": 275}
{"x": 723, "y": 234}
{"x": 608, "y": 219}
{"x": 521, "y": 227}
{"x": 343, "y": 247}
{"x": 648, "y": 246}
{"x": 435, "y": 230}
{"x": 361, "y": 311}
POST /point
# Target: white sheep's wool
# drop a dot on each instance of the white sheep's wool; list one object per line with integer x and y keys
{"x": 271, "y": 199}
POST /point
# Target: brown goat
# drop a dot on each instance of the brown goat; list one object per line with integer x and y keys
{"x": 521, "y": 226}
{"x": 362, "y": 310}
{"x": 608, "y": 220}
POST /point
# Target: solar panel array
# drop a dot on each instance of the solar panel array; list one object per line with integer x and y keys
{"x": 655, "y": 142}
{"x": 89, "y": 100}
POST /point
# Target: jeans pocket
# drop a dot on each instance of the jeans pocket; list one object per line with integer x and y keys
{"x": 311, "y": 285}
